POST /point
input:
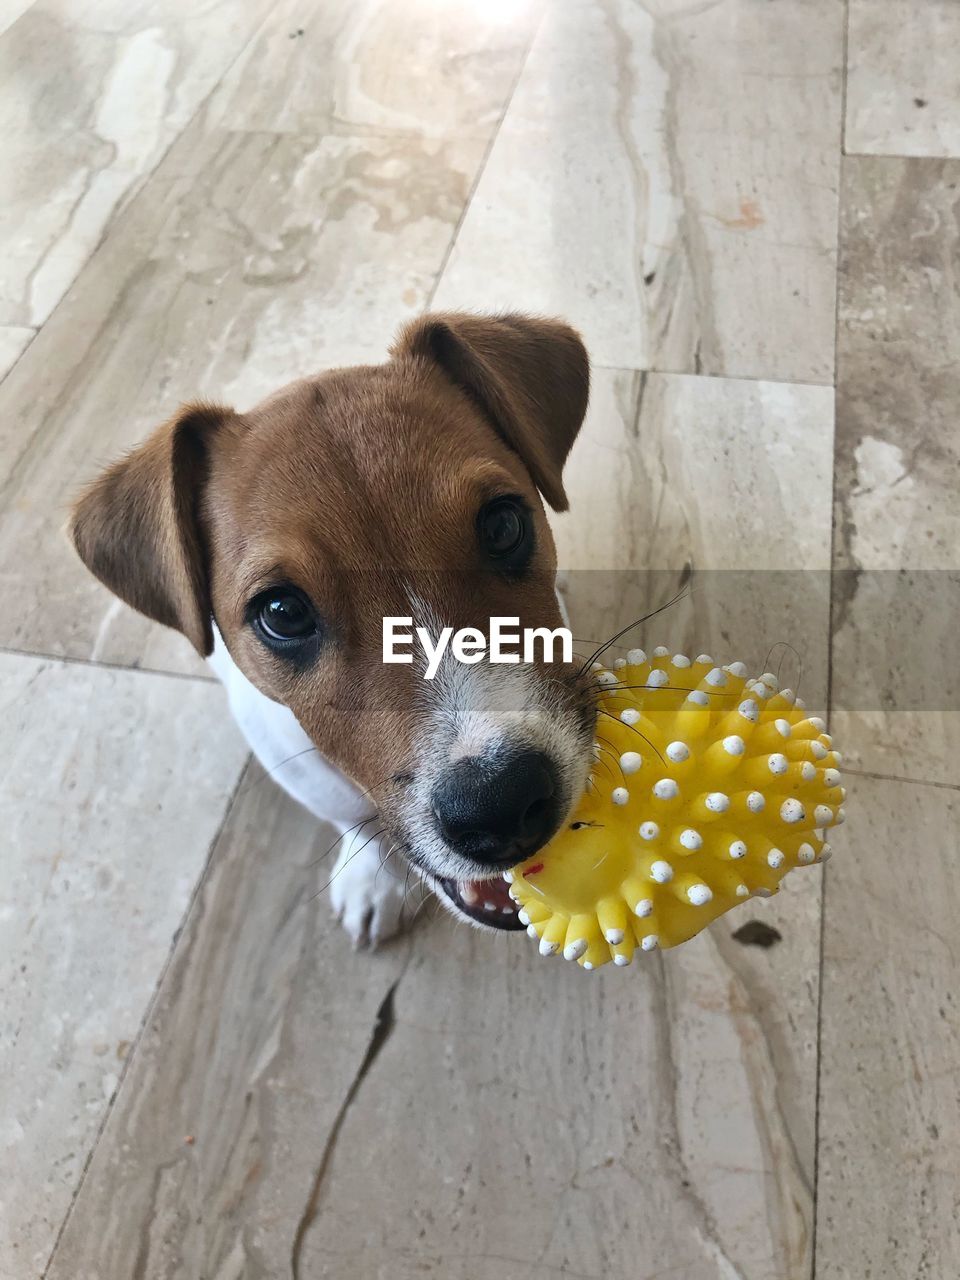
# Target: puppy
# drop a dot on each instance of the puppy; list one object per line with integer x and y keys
{"x": 278, "y": 540}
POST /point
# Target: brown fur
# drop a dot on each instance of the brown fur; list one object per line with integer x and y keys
{"x": 351, "y": 485}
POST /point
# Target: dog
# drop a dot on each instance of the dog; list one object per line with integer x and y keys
{"x": 278, "y": 540}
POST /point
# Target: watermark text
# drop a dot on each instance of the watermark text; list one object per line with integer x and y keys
{"x": 506, "y": 642}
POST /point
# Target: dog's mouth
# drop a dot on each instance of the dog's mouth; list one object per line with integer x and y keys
{"x": 488, "y": 902}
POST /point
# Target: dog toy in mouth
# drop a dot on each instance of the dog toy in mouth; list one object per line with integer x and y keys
{"x": 706, "y": 790}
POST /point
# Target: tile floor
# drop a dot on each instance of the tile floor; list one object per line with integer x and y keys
{"x": 750, "y": 209}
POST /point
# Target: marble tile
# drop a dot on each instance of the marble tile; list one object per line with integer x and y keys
{"x": 665, "y": 177}
{"x": 426, "y": 67}
{"x": 572, "y": 1123}
{"x": 897, "y": 519}
{"x": 889, "y": 1163}
{"x": 729, "y": 479}
{"x": 899, "y": 365}
{"x": 94, "y": 95}
{"x": 248, "y": 260}
{"x": 113, "y": 787}
{"x": 902, "y": 81}
{"x": 14, "y": 340}
{"x": 912, "y": 745}
{"x": 637, "y": 1119}
{"x": 896, "y": 682}
{"x": 898, "y": 383}
{"x": 11, "y": 10}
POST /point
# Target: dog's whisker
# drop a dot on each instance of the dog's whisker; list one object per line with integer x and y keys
{"x": 593, "y": 642}
{"x": 684, "y": 590}
{"x": 425, "y": 896}
{"x": 356, "y": 827}
{"x": 608, "y": 748}
{"x": 602, "y": 764}
{"x": 666, "y": 688}
{"x": 787, "y": 647}
{"x": 268, "y": 773}
{"x": 616, "y": 719}
{"x": 346, "y": 863}
{"x": 600, "y": 751}
{"x": 366, "y": 793}
{"x": 387, "y": 856}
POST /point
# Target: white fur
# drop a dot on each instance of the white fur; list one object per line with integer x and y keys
{"x": 367, "y": 885}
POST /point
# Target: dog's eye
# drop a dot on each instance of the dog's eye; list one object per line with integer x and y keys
{"x": 284, "y": 616}
{"x": 505, "y": 532}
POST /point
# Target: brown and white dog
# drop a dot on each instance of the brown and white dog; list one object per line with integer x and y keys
{"x": 278, "y": 540}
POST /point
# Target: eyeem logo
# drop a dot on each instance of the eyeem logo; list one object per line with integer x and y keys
{"x": 506, "y": 643}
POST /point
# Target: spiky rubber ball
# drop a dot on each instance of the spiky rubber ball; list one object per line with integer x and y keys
{"x": 706, "y": 789}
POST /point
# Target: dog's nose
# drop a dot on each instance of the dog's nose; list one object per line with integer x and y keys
{"x": 497, "y": 813}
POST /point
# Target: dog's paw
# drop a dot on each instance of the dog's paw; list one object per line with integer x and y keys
{"x": 368, "y": 892}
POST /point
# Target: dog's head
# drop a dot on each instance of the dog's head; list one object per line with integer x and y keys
{"x": 410, "y": 489}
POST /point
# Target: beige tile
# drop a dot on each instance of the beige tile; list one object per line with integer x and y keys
{"x": 11, "y": 10}
{"x": 665, "y": 177}
{"x": 902, "y": 81}
{"x": 726, "y": 474}
{"x": 13, "y": 342}
{"x": 260, "y": 1026}
{"x": 889, "y": 1111}
{"x": 898, "y": 365}
{"x": 897, "y": 519}
{"x": 896, "y": 683}
{"x": 622, "y": 1119}
{"x": 249, "y": 259}
{"x": 93, "y": 97}
{"x": 729, "y": 477}
{"x": 510, "y": 1116}
{"x": 920, "y": 746}
{"x": 113, "y": 787}
{"x": 389, "y": 66}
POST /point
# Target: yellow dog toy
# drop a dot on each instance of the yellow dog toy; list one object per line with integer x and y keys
{"x": 707, "y": 789}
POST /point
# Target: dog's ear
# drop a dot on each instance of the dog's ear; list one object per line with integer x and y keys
{"x": 137, "y": 527}
{"x": 529, "y": 376}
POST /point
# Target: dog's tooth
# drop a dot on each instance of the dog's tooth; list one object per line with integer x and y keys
{"x": 507, "y": 911}
{"x": 508, "y": 876}
{"x": 489, "y": 906}
{"x": 468, "y": 893}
